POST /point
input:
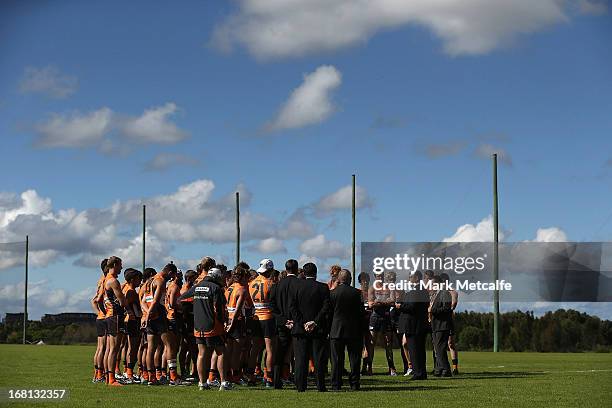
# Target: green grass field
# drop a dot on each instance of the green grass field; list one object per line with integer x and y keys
{"x": 487, "y": 379}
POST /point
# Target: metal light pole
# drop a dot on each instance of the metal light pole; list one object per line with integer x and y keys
{"x": 353, "y": 265}
{"x": 25, "y": 297}
{"x": 237, "y": 227}
{"x": 495, "y": 259}
{"x": 144, "y": 232}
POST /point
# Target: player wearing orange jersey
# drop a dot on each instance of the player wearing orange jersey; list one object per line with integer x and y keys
{"x": 97, "y": 304}
{"x": 265, "y": 330}
{"x": 189, "y": 349}
{"x": 133, "y": 279}
{"x": 156, "y": 323}
{"x": 142, "y": 352}
{"x": 172, "y": 338}
{"x": 236, "y": 295}
{"x": 114, "y": 301}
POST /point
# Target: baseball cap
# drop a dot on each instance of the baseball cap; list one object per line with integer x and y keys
{"x": 265, "y": 265}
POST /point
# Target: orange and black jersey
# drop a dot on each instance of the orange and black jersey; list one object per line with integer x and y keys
{"x": 171, "y": 309}
{"x": 231, "y": 295}
{"x": 149, "y": 295}
{"x": 141, "y": 296}
{"x": 111, "y": 303}
{"x": 208, "y": 308}
{"x": 131, "y": 299}
{"x": 259, "y": 288}
{"x": 99, "y": 298}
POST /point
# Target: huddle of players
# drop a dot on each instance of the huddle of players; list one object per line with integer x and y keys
{"x": 150, "y": 319}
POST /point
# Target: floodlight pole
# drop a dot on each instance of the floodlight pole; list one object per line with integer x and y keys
{"x": 353, "y": 265}
{"x": 237, "y": 227}
{"x": 495, "y": 259}
{"x": 144, "y": 232}
{"x": 25, "y": 296}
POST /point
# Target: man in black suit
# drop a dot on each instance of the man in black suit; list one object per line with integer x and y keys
{"x": 441, "y": 326}
{"x": 281, "y": 296}
{"x": 413, "y": 325}
{"x": 347, "y": 330}
{"x": 310, "y": 314}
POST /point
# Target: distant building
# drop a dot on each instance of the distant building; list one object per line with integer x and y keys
{"x": 11, "y": 319}
{"x": 68, "y": 318}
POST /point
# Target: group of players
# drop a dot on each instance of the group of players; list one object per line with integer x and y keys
{"x": 148, "y": 323}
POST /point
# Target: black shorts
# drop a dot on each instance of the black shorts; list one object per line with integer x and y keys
{"x": 143, "y": 336}
{"x": 131, "y": 328}
{"x": 176, "y": 325}
{"x": 264, "y": 328}
{"x": 157, "y": 326}
{"x": 214, "y": 341}
{"x": 238, "y": 330}
{"x": 249, "y": 326}
{"x": 381, "y": 323}
{"x": 188, "y": 325}
{"x": 101, "y": 327}
{"x": 115, "y": 325}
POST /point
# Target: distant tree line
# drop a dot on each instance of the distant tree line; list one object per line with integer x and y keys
{"x": 558, "y": 331}
{"x": 50, "y": 334}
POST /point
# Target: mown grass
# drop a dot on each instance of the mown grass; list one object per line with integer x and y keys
{"x": 486, "y": 379}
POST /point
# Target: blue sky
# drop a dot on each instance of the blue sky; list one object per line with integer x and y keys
{"x": 107, "y": 106}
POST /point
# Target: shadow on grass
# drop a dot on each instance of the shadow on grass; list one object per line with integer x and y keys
{"x": 403, "y": 387}
{"x": 483, "y": 375}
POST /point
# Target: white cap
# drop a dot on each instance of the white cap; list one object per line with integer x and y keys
{"x": 265, "y": 265}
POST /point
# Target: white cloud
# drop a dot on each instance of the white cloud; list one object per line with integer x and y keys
{"x": 30, "y": 203}
{"x": 154, "y": 126}
{"x": 271, "y": 245}
{"x": 437, "y": 150}
{"x": 485, "y": 151}
{"x": 320, "y": 247}
{"x": 310, "y": 103}
{"x": 389, "y": 238}
{"x": 595, "y": 7}
{"x": 304, "y": 259}
{"x": 75, "y": 129}
{"x": 290, "y": 28}
{"x": 189, "y": 214}
{"x": 48, "y": 81}
{"x": 481, "y": 232}
{"x": 552, "y": 234}
{"x": 296, "y": 226}
{"x": 343, "y": 199}
{"x": 163, "y": 161}
{"x": 110, "y": 132}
